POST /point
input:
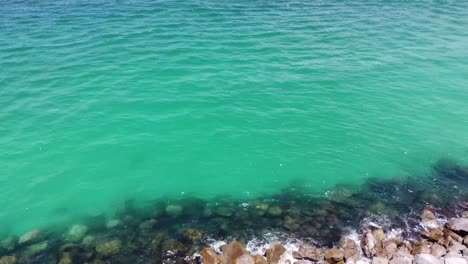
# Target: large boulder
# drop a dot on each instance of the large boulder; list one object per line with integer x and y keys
{"x": 438, "y": 250}
{"x": 379, "y": 260}
{"x": 402, "y": 257}
{"x": 455, "y": 260}
{"x": 309, "y": 252}
{"x": 108, "y": 248}
{"x": 233, "y": 252}
{"x": 368, "y": 243}
{"x": 8, "y": 260}
{"x": 274, "y": 253}
{"x": 334, "y": 255}
{"x": 31, "y": 236}
{"x": 424, "y": 258}
{"x": 459, "y": 225}
{"x": 210, "y": 257}
{"x": 76, "y": 233}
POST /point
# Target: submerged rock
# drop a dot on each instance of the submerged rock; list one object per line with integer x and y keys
{"x": 275, "y": 211}
{"x": 65, "y": 259}
{"x": 36, "y": 249}
{"x": 76, "y": 233}
{"x": 174, "y": 209}
{"x": 8, "y": 244}
{"x": 193, "y": 235}
{"x": 108, "y": 248}
{"x": 112, "y": 223}
{"x": 223, "y": 211}
{"x": 8, "y": 260}
{"x": 30, "y": 237}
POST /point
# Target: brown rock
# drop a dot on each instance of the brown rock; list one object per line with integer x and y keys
{"x": 309, "y": 252}
{"x": 427, "y": 216}
{"x": 210, "y": 257}
{"x": 274, "y": 253}
{"x": 244, "y": 259}
{"x": 438, "y": 250}
{"x": 422, "y": 248}
{"x": 334, "y": 255}
{"x": 193, "y": 235}
{"x": 350, "y": 249}
{"x": 233, "y": 251}
{"x": 259, "y": 259}
{"x": 378, "y": 234}
{"x": 465, "y": 214}
{"x": 390, "y": 247}
{"x": 435, "y": 234}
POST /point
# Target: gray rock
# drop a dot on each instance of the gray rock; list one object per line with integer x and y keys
{"x": 76, "y": 233}
{"x": 438, "y": 250}
{"x": 402, "y": 257}
{"x": 379, "y": 260}
{"x": 425, "y": 258}
{"x": 458, "y": 225}
{"x": 455, "y": 260}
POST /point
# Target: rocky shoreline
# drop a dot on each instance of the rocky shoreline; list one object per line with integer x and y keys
{"x": 445, "y": 244}
{"x": 182, "y": 230}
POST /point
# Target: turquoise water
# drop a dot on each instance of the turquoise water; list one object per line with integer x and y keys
{"x": 103, "y": 101}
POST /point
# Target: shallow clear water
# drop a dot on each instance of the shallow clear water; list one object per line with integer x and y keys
{"x": 102, "y": 101}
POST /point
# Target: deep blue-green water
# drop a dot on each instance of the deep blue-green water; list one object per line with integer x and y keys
{"x": 103, "y": 101}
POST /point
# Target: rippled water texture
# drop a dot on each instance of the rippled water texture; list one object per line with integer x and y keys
{"x": 101, "y": 101}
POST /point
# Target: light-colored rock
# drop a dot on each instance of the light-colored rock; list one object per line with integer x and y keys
{"x": 274, "y": 253}
{"x": 455, "y": 260}
{"x": 210, "y": 257}
{"x": 29, "y": 237}
{"x": 302, "y": 262}
{"x": 428, "y": 217}
{"x": 259, "y": 259}
{"x": 309, "y": 252}
{"x": 458, "y": 225}
{"x": 424, "y": 258}
{"x": 232, "y": 252}
{"x": 378, "y": 234}
{"x": 422, "y": 248}
{"x": 368, "y": 244}
{"x": 438, "y": 250}
{"x": 402, "y": 257}
{"x": 390, "y": 247}
{"x": 88, "y": 241}
{"x": 8, "y": 243}
{"x": 464, "y": 214}
{"x": 108, "y": 248}
{"x": 275, "y": 211}
{"x": 334, "y": 255}
{"x": 379, "y": 260}
{"x": 112, "y": 223}
{"x": 76, "y": 233}
{"x": 245, "y": 259}
{"x": 456, "y": 247}
{"x": 465, "y": 240}
{"x": 8, "y": 260}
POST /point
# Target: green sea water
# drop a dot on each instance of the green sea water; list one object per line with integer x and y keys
{"x": 103, "y": 101}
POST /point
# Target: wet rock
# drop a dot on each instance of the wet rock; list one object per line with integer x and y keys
{"x": 112, "y": 223}
{"x": 275, "y": 211}
{"x": 428, "y": 216}
{"x": 65, "y": 259}
{"x": 259, "y": 259}
{"x": 302, "y": 262}
{"x": 422, "y": 248}
{"x": 108, "y": 248}
{"x": 8, "y": 260}
{"x": 334, "y": 255}
{"x": 88, "y": 241}
{"x": 192, "y": 234}
{"x": 233, "y": 251}
{"x": 378, "y": 234}
{"x": 8, "y": 244}
{"x": 402, "y": 257}
{"x": 459, "y": 225}
{"x": 173, "y": 247}
{"x": 455, "y": 260}
{"x": 210, "y": 257}
{"x": 435, "y": 234}
{"x": 424, "y": 258}
{"x": 438, "y": 250}
{"x": 350, "y": 248}
{"x": 379, "y": 260}
{"x": 368, "y": 243}
{"x": 174, "y": 210}
{"x": 76, "y": 233}
{"x": 274, "y": 253}
{"x": 36, "y": 249}
{"x": 290, "y": 223}
{"x": 309, "y": 252}
{"x": 30, "y": 237}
